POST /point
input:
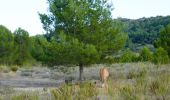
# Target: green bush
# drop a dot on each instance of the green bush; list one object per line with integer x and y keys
{"x": 161, "y": 56}
{"x": 128, "y": 56}
{"x": 14, "y": 68}
{"x": 146, "y": 55}
{"x": 164, "y": 39}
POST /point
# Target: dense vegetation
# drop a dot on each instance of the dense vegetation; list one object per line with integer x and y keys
{"x": 84, "y": 36}
{"x": 19, "y": 48}
{"x": 145, "y": 30}
{"x": 83, "y": 32}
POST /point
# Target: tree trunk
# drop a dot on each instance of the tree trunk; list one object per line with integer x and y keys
{"x": 80, "y": 72}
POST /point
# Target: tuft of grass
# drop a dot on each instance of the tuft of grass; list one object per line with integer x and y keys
{"x": 75, "y": 92}
{"x": 63, "y": 93}
{"x": 6, "y": 90}
{"x": 131, "y": 75}
{"x": 128, "y": 93}
{"x": 26, "y": 96}
{"x": 87, "y": 89}
{"x": 140, "y": 74}
{"x": 160, "y": 86}
{"x": 4, "y": 69}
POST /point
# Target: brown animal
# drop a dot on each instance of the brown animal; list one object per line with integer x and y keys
{"x": 104, "y": 74}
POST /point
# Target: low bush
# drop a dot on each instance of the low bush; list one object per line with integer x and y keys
{"x": 128, "y": 56}
{"x": 145, "y": 55}
{"x": 14, "y": 68}
{"x": 161, "y": 56}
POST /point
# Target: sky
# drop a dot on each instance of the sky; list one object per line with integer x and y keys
{"x": 135, "y": 9}
{"x": 24, "y": 13}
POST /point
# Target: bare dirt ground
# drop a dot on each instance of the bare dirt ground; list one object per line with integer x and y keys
{"x": 25, "y": 78}
{"x": 46, "y": 77}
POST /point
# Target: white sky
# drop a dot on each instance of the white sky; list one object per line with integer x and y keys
{"x": 24, "y": 13}
{"x": 140, "y": 8}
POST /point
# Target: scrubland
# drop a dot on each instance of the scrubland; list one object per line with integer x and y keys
{"x": 127, "y": 81}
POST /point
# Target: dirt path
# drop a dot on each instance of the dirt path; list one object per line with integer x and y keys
{"x": 24, "y": 83}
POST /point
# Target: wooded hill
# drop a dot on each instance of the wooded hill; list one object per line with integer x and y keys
{"x": 146, "y": 30}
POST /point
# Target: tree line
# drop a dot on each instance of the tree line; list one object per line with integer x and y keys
{"x": 78, "y": 33}
{"x": 145, "y": 30}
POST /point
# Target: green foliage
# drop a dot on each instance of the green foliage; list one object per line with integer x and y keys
{"x": 75, "y": 92}
{"x": 164, "y": 40}
{"x": 128, "y": 93}
{"x": 63, "y": 93}
{"x": 87, "y": 89}
{"x": 14, "y": 48}
{"x": 161, "y": 56}
{"x": 21, "y": 53}
{"x": 128, "y": 56}
{"x": 81, "y": 32}
{"x": 39, "y": 48}
{"x": 26, "y": 96}
{"x": 158, "y": 86}
{"x": 145, "y": 30}
{"x": 6, "y": 45}
{"x": 146, "y": 55}
{"x": 14, "y": 68}
{"x": 71, "y": 51}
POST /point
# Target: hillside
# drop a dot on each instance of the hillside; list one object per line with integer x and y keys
{"x": 144, "y": 30}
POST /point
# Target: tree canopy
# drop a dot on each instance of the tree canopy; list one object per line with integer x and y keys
{"x": 81, "y": 31}
{"x": 164, "y": 40}
{"x": 22, "y": 47}
{"x": 145, "y": 30}
{"x": 85, "y": 23}
{"x": 6, "y": 45}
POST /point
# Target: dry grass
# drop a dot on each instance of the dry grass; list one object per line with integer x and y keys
{"x": 129, "y": 81}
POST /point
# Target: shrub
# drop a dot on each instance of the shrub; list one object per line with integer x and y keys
{"x": 161, "y": 56}
{"x": 128, "y": 56}
{"x": 164, "y": 39}
{"x": 146, "y": 55}
{"x": 14, "y": 68}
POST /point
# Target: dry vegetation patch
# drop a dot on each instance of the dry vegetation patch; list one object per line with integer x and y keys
{"x": 129, "y": 81}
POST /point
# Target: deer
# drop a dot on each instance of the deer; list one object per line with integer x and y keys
{"x": 104, "y": 74}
